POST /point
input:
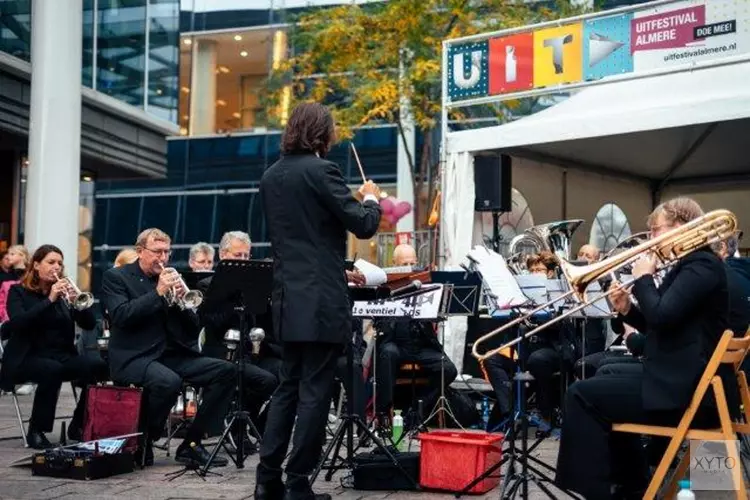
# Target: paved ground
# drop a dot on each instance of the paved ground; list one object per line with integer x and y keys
{"x": 18, "y": 483}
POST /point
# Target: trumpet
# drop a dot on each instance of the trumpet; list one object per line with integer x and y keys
{"x": 256, "y": 337}
{"x": 82, "y": 300}
{"x": 669, "y": 247}
{"x": 191, "y": 299}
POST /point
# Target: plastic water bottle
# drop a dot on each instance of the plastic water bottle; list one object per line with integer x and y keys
{"x": 398, "y": 428}
{"x": 685, "y": 493}
{"x": 485, "y": 413}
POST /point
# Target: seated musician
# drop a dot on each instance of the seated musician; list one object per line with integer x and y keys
{"x": 150, "y": 346}
{"x": 259, "y": 383}
{"x": 41, "y": 347}
{"x": 683, "y": 319}
{"x": 546, "y": 353}
{"x": 409, "y": 341}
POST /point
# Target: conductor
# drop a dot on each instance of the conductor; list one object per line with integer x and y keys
{"x": 309, "y": 209}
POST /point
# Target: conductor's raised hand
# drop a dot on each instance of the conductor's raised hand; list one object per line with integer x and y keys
{"x": 370, "y": 188}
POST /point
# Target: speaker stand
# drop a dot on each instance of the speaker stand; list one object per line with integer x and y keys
{"x": 496, "y": 238}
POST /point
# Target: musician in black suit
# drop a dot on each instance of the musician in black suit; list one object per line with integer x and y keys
{"x": 41, "y": 347}
{"x": 683, "y": 319}
{"x": 309, "y": 208}
{"x": 152, "y": 345}
{"x": 259, "y": 384}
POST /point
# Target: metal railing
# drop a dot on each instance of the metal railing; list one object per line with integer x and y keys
{"x": 422, "y": 241}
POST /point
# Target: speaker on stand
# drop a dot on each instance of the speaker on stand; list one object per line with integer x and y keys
{"x": 492, "y": 189}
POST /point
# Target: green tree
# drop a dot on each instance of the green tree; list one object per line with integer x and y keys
{"x": 366, "y": 58}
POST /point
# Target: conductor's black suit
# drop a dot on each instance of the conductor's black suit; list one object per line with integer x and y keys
{"x": 151, "y": 345}
{"x": 683, "y": 320}
{"x": 309, "y": 209}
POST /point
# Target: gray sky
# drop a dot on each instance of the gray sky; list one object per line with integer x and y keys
{"x": 218, "y": 5}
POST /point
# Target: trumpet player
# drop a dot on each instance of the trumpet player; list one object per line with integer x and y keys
{"x": 682, "y": 320}
{"x": 260, "y": 375}
{"x": 152, "y": 345}
{"x": 41, "y": 347}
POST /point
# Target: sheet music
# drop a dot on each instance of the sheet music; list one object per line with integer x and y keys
{"x": 108, "y": 446}
{"x": 374, "y": 276}
{"x": 498, "y": 279}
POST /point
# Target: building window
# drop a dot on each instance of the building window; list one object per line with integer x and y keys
{"x": 512, "y": 223}
{"x": 121, "y": 49}
{"x": 163, "y": 59}
{"x": 610, "y": 227}
{"x": 15, "y": 28}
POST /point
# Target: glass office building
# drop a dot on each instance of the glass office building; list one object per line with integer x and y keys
{"x": 124, "y": 71}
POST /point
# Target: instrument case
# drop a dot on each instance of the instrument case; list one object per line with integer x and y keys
{"x": 80, "y": 464}
{"x": 376, "y": 472}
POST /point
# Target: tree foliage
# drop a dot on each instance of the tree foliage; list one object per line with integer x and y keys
{"x": 361, "y": 60}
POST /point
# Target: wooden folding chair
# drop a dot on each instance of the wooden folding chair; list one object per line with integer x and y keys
{"x": 729, "y": 351}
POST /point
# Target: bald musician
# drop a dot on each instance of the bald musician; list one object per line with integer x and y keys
{"x": 409, "y": 341}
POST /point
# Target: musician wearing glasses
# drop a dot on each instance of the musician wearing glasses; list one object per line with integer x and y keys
{"x": 682, "y": 321}
{"x": 152, "y": 345}
{"x": 201, "y": 257}
{"x": 259, "y": 382}
{"x": 41, "y": 347}
{"x": 545, "y": 353}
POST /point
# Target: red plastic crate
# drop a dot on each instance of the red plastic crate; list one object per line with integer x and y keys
{"x": 450, "y": 460}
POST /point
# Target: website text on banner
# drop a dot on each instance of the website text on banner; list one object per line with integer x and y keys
{"x": 641, "y": 39}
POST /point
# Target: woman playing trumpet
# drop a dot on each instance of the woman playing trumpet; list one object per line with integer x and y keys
{"x": 41, "y": 347}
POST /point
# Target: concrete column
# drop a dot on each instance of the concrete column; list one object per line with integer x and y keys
{"x": 404, "y": 179}
{"x": 203, "y": 88}
{"x": 52, "y": 184}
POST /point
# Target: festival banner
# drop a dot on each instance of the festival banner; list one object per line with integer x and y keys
{"x": 641, "y": 39}
{"x": 558, "y": 55}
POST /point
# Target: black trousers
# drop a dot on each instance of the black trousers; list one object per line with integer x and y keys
{"x": 392, "y": 355}
{"x": 591, "y": 457}
{"x": 621, "y": 365}
{"x": 499, "y": 369}
{"x": 304, "y": 393}
{"x": 49, "y": 371}
{"x": 543, "y": 363}
{"x": 163, "y": 381}
{"x": 588, "y": 365}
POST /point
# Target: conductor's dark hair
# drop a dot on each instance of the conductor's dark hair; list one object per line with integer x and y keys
{"x": 309, "y": 129}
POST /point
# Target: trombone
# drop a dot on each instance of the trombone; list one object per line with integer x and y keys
{"x": 669, "y": 247}
{"x": 191, "y": 299}
{"x": 82, "y": 300}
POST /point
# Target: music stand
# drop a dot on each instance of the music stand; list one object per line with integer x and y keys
{"x": 350, "y": 421}
{"x": 539, "y": 290}
{"x": 247, "y": 284}
{"x": 192, "y": 278}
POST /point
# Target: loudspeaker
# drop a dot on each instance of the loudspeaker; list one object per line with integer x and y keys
{"x": 492, "y": 183}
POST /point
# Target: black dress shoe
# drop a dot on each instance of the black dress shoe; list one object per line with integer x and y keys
{"x": 273, "y": 490}
{"x": 197, "y": 456}
{"x": 37, "y": 440}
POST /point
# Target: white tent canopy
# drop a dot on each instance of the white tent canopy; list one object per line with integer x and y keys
{"x": 678, "y": 126}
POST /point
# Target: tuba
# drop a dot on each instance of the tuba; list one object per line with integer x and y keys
{"x": 669, "y": 248}
{"x": 552, "y": 237}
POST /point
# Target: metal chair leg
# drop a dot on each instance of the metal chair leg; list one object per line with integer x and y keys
{"x": 20, "y": 418}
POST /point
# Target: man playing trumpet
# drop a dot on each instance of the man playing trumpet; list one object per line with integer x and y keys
{"x": 152, "y": 345}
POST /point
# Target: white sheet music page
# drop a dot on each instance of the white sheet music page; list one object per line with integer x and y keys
{"x": 374, "y": 276}
{"x": 497, "y": 277}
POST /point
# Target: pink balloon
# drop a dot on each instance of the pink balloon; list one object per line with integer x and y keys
{"x": 391, "y": 218}
{"x": 387, "y": 205}
{"x": 401, "y": 209}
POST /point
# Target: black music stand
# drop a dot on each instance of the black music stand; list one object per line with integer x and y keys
{"x": 350, "y": 421}
{"x": 192, "y": 278}
{"x": 247, "y": 284}
{"x": 538, "y": 290}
